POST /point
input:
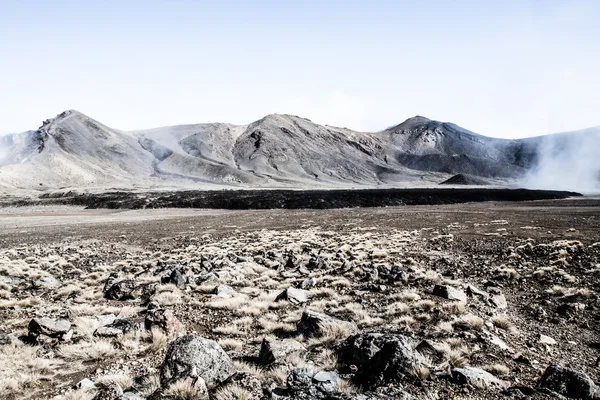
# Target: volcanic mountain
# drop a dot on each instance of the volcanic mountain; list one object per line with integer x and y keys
{"x": 75, "y": 151}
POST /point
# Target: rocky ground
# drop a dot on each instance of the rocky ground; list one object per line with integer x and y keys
{"x": 468, "y": 301}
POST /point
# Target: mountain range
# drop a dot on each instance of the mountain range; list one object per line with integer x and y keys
{"x": 73, "y": 150}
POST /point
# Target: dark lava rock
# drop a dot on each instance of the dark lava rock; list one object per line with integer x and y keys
{"x": 380, "y": 358}
{"x": 194, "y": 356}
{"x": 176, "y": 278}
{"x": 567, "y": 382}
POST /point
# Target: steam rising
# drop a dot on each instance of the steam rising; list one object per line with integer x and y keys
{"x": 568, "y": 161}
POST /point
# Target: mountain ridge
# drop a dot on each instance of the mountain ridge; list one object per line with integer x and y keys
{"x": 278, "y": 150}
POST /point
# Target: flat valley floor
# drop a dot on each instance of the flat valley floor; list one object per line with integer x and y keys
{"x": 535, "y": 267}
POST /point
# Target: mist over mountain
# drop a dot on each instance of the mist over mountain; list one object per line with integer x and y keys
{"x": 75, "y": 151}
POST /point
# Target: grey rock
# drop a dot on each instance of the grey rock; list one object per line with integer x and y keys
{"x": 85, "y": 383}
{"x": 380, "y": 358}
{"x": 300, "y": 379}
{"x": 177, "y": 278}
{"x": 117, "y": 328}
{"x": 326, "y": 381}
{"x": 194, "y": 356}
{"x": 567, "y": 382}
{"x": 315, "y": 324}
{"x": 498, "y": 301}
{"x": 224, "y": 292}
{"x": 53, "y": 328}
{"x": 294, "y": 296}
{"x": 308, "y": 283}
{"x": 473, "y": 291}
{"x": 47, "y": 282}
{"x": 547, "y": 340}
{"x": 478, "y": 378}
{"x": 121, "y": 290}
{"x": 450, "y": 293}
{"x": 278, "y": 351}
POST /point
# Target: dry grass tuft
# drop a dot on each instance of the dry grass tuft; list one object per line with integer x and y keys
{"x": 497, "y": 369}
{"x": 232, "y": 392}
{"x": 87, "y": 351}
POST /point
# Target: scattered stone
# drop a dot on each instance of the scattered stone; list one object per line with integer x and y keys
{"x": 121, "y": 290}
{"x": 52, "y": 328}
{"x": 278, "y": 351}
{"x": 450, "y": 293}
{"x": 117, "y": 328}
{"x": 193, "y": 356}
{"x": 473, "y": 291}
{"x": 165, "y": 320}
{"x": 47, "y": 282}
{"x": 315, "y": 324}
{"x": 224, "y": 292}
{"x": 380, "y": 358}
{"x": 248, "y": 382}
{"x": 294, "y": 296}
{"x": 308, "y": 283}
{"x": 567, "y": 382}
{"x": 305, "y": 384}
{"x": 176, "y": 278}
{"x": 478, "y": 378}
{"x": 84, "y": 383}
{"x": 547, "y": 340}
{"x": 498, "y": 301}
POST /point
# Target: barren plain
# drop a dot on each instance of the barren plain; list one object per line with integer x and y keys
{"x": 461, "y": 301}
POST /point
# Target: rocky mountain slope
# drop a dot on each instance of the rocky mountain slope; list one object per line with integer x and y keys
{"x": 75, "y": 151}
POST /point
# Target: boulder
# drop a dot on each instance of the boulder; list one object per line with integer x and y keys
{"x": 305, "y": 384}
{"x": 308, "y": 283}
{"x": 317, "y": 324}
{"x": 118, "y": 327}
{"x": 450, "y": 293}
{"x": 224, "y": 292}
{"x": 294, "y": 296}
{"x": 567, "y": 382}
{"x": 52, "y": 328}
{"x": 194, "y": 356}
{"x": 380, "y": 358}
{"x": 547, "y": 340}
{"x": 478, "y": 378}
{"x": 47, "y": 282}
{"x": 176, "y": 278}
{"x": 274, "y": 351}
{"x": 121, "y": 290}
{"x": 498, "y": 301}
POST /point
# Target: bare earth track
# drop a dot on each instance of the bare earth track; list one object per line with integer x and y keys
{"x": 374, "y": 267}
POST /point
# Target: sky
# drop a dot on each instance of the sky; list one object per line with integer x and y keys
{"x": 511, "y": 68}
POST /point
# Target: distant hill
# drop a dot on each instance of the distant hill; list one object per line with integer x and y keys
{"x": 75, "y": 151}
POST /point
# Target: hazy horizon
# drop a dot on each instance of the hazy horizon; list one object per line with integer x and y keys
{"x": 512, "y": 69}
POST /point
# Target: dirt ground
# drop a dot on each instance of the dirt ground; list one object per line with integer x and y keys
{"x": 538, "y": 254}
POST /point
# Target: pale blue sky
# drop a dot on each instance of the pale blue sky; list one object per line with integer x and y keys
{"x": 499, "y": 68}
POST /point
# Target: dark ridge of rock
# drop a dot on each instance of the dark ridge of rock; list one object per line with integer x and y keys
{"x": 291, "y": 199}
